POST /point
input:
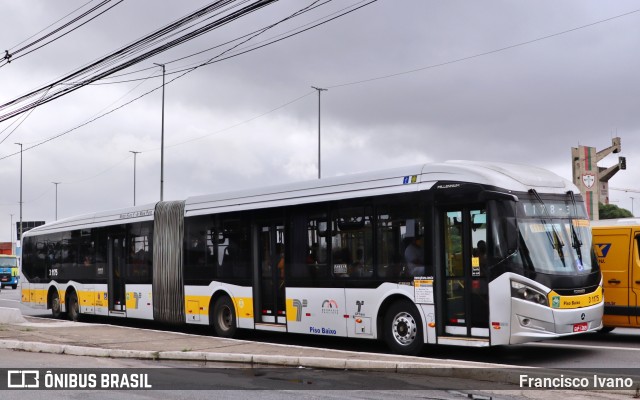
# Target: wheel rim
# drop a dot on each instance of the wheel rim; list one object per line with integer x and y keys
{"x": 225, "y": 318}
{"x": 55, "y": 304}
{"x": 404, "y": 328}
{"x": 73, "y": 307}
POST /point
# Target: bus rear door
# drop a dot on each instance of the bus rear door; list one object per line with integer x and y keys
{"x": 116, "y": 263}
{"x": 270, "y": 308}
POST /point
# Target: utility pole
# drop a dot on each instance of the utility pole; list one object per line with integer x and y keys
{"x": 20, "y": 144}
{"x": 135, "y": 153}
{"x": 56, "y": 183}
{"x": 320, "y": 90}
{"x": 632, "y": 213}
{"x": 162, "y": 137}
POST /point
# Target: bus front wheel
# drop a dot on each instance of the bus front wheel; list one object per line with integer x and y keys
{"x": 54, "y": 300}
{"x": 223, "y": 317}
{"x": 403, "y": 328}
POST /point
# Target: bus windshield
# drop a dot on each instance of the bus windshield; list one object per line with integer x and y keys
{"x": 556, "y": 246}
{"x": 8, "y": 262}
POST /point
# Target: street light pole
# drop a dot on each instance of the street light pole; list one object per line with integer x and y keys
{"x": 56, "y": 183}
{"x": 20, "y": 144}
{"x": 632, "y": 213}
{"x": 11, "y": 232}
{"x": 135, "y": 153}
{"x": 162, "y": 137}
{"x": 320, "y": 90}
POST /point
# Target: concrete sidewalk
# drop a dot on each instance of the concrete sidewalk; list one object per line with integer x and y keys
{"x": 101, "y": 340}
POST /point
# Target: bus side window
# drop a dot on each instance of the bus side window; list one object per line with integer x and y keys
{"x": 352, "y": 242}
{"x": 401, "y": 248}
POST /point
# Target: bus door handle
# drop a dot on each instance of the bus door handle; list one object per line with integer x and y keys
{"x": 616, "y": 281}
{"x": 638, "y": 282}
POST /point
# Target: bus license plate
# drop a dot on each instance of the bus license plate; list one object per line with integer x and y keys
{"x": 581, "y": 327}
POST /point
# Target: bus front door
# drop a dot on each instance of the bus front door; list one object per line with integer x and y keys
{"x": 116, "y": 264}
{"x": 271, "y": 269}
{"x": 466, "y": 305}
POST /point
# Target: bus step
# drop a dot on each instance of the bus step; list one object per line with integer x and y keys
{"x": 271, "y": 327}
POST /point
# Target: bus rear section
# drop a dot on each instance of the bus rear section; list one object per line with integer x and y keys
{"x": 9, "y": 275}
{"x": 617, "y": 246}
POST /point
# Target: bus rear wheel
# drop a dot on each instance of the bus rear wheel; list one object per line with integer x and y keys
{"x": 54, "y": 300}
{"x": 403, "y": 328}
{"x": 73, "y": 307}
{"x": 223, "y": 317}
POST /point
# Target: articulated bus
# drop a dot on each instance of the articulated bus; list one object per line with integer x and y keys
{"x": 9, "y": 274}
{"x": 457, "y": 253}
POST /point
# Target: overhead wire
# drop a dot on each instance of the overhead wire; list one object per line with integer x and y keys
{"x": 10, "y": 55}
{"x": 50, "y": 25}
{"x": 348, "y": 83}
{"x": 153, "y": 90}
{"x": 98, "y": 75}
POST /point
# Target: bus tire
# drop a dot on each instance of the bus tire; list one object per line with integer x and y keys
{"x": 73, "y": 307}
{"x": 56, "y": 307}
{"x": 223, "y": 317}
{"x": 403, "y": 331}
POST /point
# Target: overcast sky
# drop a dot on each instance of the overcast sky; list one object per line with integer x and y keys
{"x": 225, "y": 128}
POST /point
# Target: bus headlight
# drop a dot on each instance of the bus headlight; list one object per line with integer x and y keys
{"x": 524, "y": 292}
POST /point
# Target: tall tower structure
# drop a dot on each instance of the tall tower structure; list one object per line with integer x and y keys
{"x": 592, "y": 180}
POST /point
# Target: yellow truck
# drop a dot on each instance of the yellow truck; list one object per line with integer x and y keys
{"x": 616, "y": 243}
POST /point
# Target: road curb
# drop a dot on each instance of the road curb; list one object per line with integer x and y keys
{"x": 486, "y": 373}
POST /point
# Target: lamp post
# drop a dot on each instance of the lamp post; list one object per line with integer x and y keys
{"x": 632, "y": 213}
{"x": 320, "y": 90}
{"x": 162, "y": 137}
{"x": 11, "y": 232}
{"x": 20, "y": 144}
{"x": 56, "y": 183}
{"x": 135, "y": 153}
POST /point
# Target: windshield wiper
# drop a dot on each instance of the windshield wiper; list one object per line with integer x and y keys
{"x": 556, "y": 242}
{"x": 576, "y": 240}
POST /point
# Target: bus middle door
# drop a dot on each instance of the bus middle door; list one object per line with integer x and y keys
{"x": 466, "y": 305}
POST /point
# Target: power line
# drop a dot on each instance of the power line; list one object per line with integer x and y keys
{"x": 10, "y": 55}
{"x": 172, "y": 80}
{"x": 105, "y": 63}
{"x": 483, "y": 53}
{"x": 625, "y": 190}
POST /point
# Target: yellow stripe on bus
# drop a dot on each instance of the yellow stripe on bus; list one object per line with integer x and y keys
{"x": 578, "y": 301}
{"x": 199, "y": 305}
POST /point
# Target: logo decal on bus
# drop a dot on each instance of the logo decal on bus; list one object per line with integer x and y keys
{"x": 555, "y": 302}
{"x": 359, "y": 304}
{"x": 330, "y": 307}
{"x": 409, "y": 179}
{"x": 299, "y": 305}
{"x": 601, "y": 249}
